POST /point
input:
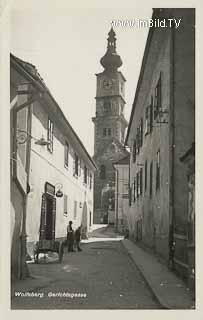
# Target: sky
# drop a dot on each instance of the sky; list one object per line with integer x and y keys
{"x": 66, "y": 42}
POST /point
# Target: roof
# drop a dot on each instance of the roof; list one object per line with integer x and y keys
{"x": 31, "y": 73}
{"x": 144, "y": 59}
{"x": 123, "y": 161}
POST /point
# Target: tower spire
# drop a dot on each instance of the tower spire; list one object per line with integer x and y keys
{"x": 111, "y": 46}
{"x": 111, "y": 60}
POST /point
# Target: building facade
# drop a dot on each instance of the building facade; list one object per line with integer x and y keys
{"x": 188, "y": 159}
{"x": 122, "y": 194}
{"x": 60, "y": 171}
{"x": 109, "y": 130}
{"x": 161, "y": 128}
{"x": 19, "y": 168}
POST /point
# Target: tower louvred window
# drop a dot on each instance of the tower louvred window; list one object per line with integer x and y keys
{"x": 102, "y": 172}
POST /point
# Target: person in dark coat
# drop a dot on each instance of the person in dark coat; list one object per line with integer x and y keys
{"x": 77, "y": 238}
{"x": 70, "y": 237}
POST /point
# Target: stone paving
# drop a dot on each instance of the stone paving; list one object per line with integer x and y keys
{"x": 103, "y": 272}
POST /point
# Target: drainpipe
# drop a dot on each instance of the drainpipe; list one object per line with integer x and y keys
{"x": 171, "y": 156}
{"x": 117, "y": 200}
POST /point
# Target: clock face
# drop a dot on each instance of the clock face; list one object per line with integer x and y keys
{"x": 107, "y": 84}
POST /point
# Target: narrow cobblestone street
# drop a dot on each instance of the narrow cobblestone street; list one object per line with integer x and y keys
{"x": 103, "y": 271}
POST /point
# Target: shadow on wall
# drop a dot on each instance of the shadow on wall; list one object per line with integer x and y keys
{"x": 16, "y": 223}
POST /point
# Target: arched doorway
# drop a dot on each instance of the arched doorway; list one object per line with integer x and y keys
{"x": 84, "y": 222}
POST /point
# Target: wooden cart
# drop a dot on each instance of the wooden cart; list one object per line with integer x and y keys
{"x": 45, "y": 246}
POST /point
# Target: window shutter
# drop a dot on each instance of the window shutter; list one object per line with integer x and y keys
{"x": 43, "y": 218}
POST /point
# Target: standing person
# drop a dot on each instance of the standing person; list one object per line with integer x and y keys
{"x": 78, "y": 237}
{"x": 70, "y": 237}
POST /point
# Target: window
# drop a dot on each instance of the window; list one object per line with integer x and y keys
{"x": 158, "y": 170}
{"x": 50, "y": 135}
{"x": 147, "y": 120}
{"x": 141, "y": 132}
{"x": 151, "y": 115}
{"x": 85, "y": 174}
{"x": 79, "y": 167}
{"x": 76, "y": 165}
{"x": 75, "y": 210}
{"x": 145, "y": 176}
{"x": 90, "y": 181}
{"x": 137, "y": 142}
{"x": 141, "y": 182}
{"x": 130, "y": 195}
{"x": 109, "y": 131}
{"x": 66, "y": 153}
{"x": 138, "y": 184}
{"x": 151, "y": 179}
{"x": 157, "y": 98}
{"x": 65, "y": 212}
{"x": 134, "y": 189}
{"x": 107, "y": 106}
{"x": 102, "y": 172}
{"x": 134, "y": 151}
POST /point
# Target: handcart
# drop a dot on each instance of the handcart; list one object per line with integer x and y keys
{"x": 45, "y": 246}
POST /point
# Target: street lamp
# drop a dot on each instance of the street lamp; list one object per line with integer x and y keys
{"x": 59, "y": 192}
{"x": 24, "y": 135}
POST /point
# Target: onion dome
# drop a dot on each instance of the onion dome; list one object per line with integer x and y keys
{"x": 111, "y": 60}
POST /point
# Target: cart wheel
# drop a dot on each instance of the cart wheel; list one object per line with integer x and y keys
{"x": 36, "y": 255}
{"x": 60, "y": 252}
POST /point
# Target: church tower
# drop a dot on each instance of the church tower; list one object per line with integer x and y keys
{"x": 109, "y": 131}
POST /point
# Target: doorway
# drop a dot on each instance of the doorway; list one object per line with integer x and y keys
{"x": 48, "y": 215}
{"x": 49, "y": 218}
